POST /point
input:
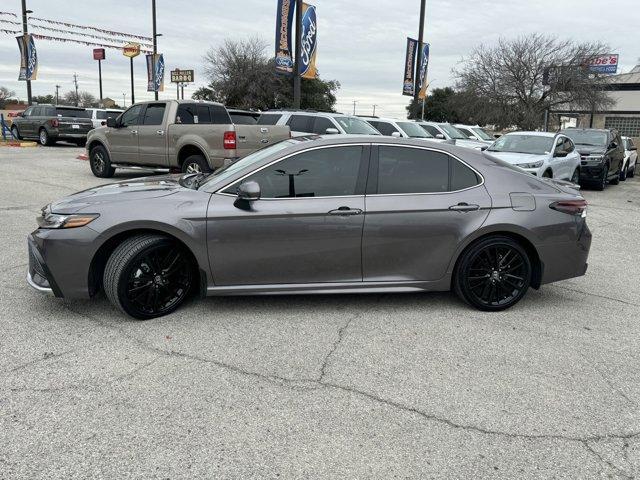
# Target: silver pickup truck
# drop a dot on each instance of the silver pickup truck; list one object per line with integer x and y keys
{"x": 186, "y": 135}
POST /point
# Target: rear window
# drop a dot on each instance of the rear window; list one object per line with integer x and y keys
{"x": 219, "y": 115}
{"x": 268, "y": 119}
{"x": 300, "y": 123}
{"x": 243, "y": 118}
{"x": 72, "y": 112}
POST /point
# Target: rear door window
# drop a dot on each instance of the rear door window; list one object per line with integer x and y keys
{"x": 219, "y": 115}
{"x": 321, "y": 124}
{"x": 186, "y": 114}
{"x": 300, "y": 123}
{"x": 154, "y": 113}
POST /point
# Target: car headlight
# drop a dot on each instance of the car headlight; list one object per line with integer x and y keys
{"x": 531, "y": 165}
{"x": 56, "y": 220}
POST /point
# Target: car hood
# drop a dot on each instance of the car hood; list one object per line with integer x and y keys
{"x": 590, "y": 150}
{"x": 518, "y": 158}
{"x": 131, "y": 190}
{"x": 469, "y": 143}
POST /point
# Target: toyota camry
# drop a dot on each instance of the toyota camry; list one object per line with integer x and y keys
{"x": 333, "y": 214}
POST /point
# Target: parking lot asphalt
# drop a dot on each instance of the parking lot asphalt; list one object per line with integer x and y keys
{"x": 369, "y": 386}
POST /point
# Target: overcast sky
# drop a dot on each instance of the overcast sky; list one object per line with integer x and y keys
{"x": 361, "y": 43}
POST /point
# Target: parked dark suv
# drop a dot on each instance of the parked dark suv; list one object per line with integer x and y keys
{"x": 50, "y": 123}
{"x": 601, "y": 155}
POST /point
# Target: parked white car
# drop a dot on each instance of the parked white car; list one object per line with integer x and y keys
{"x": 630, "y": 159}
{"x": 476, "y": 132}
{"x": 99, "y": 115}
{"x": 391, "y": 127}
{"x": 446, "y": 131}
{"x": 306, "y": 122}
{"x": 544, "y": 154}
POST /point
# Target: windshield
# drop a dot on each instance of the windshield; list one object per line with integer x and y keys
{"x": 593, "y": 138}
{"x": 228, "y": 171}
{"x": 531, "y": 144}
{"x": 452, "y": 131}
{"x": 413, "y": 130}
{"x": 356, "y": 126}
{"x": 482, "y": 134}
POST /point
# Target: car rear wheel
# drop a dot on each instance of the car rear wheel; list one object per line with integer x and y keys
{"x": 195, "y": 164}
{"x": 602, "y": 184}
{"x": 100, "y": 162}
{"x": 148, "y": 276}
{"x": 493, "y": 274}
{"x": 43, "y": 137}
{"x": 15, "y": 132}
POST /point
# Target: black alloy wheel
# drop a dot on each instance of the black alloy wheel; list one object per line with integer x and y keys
{"x": 493, "y": 274}
{"x": 100, "y": 162}
{"x": 148, "y": 276}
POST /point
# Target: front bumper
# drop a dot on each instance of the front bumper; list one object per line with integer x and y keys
{"x": 38, "y": 275}
{"x": 591, "y": 173}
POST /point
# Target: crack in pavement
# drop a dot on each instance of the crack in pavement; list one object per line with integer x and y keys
{"x": 603, "y": 460}
{"x": 45, "y": 357}
{"x": 605, "y": 297}
{"x": 334, "y": 347}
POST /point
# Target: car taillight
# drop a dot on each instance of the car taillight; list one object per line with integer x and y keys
{"x": 571, "y": 207}
{"x": 55, "y": 123}
{"x": 229, "y": 140}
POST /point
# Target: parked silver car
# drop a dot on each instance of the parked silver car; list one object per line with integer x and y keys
{"x": 329, "y": 214}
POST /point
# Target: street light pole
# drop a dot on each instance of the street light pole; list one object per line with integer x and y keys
{"x": 297, "y": 86}
{"x": 124, "y": 100}
{"x": 25, "y": 30}
{"x": 416, "y": 89}
{"x": 133, "y": 95}
{"x": 155, "y": 46}
{"x": 57, "y": 97}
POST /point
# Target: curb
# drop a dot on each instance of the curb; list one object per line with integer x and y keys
{"x": 15, "y": 143}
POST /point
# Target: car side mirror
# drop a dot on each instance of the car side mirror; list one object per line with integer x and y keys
{"x": 249, "y": 191}
{"x": 440, "y": 136}
{"x": 332, "y": 131}
{"x": 396, "y": 135}
{"x": 613, "y": 145}
{"x": 112, "y": 122}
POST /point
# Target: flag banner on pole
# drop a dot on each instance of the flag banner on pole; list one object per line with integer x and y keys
{"x": 424, "y": 68}
{"x": 284, "y": 27}
{"x": 28, "y": 58}
{"x": 156, "y": 63}
{"x": 410, "y": 67}
{"x": 309, "y": 40}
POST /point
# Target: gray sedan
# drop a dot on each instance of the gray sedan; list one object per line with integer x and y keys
{"x": 316, "y": 215}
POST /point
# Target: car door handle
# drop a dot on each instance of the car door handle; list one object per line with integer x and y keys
{"x": 134, "y": 132}
{"x": 464, "y": 207}
{"x": 160, "y": 132}
{"x": 345, "y": 211}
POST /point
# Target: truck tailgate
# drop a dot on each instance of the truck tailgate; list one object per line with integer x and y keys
{"x": 254, "y": 137}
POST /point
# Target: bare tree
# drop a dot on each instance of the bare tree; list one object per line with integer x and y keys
{"x": 83, "y": 99}
{"x": 516, "y": 81}
{"x": 5, "y": 95}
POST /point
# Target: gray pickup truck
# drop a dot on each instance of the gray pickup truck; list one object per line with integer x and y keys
{"x": 186, "y": 135}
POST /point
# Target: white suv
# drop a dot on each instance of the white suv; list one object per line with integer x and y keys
{"x": 317, "y": 123}
{"x": 99, "y": 115}
{"x": 391, "y": 127}
{"x": 446, "y": 131}
{"x": 475, "y": 132}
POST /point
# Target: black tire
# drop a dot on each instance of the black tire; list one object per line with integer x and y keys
{"x": 484, "y": 281}
{"x": 15, "y": 132}
{"x": 575, "y": 178}
{"x": 602, "y": 184}
{"x": 547, "y": 174}
{"x": 148, "y": 276}
{"x": 616, "y": 180}
{"x": 195, "y": 164}
{"x": 100, "y": 162}
{"x": 632, "y": 171}
{"x": 43, "y": 137}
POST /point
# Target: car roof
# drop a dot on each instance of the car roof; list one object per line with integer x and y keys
{"x": 305, "y": 112}
{"x": 535, "y": 134}
{"x": 586, "y": 129}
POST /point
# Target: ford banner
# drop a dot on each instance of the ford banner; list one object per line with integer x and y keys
{"x": 28, "y": 58}
{"x": 410, "y": 68}
{"x": 309, "y": 41}
{"x": 156, "y": 64}
{"x": 284, "y": 27}
{"x": 424, "y": 67}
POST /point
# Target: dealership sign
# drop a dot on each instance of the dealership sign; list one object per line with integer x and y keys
{"x": 603, "y": 64}
{"x": 182, "y": 76}
{"x": 155, "y": 71}
{"x": 309, "y": 41}
{"x": 410, "y": 68}
{"x": 28, "y": 57}
{"x": 131, "y": 50}
{"x": 284, "y": 24}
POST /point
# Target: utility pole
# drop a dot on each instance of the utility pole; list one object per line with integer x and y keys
{"x": 182, "y": 89}
{"x": 100, "y": 81}
{"x": 374, "y": 109}
{"x": 297, "y": 86}
{"x": 133, "y": 95}
{"x": 155, "y": 46}
{"x": 57, "y": 97}
{"x": 75, "y": 81}
{"x": 420, "y": 42}
{"x": 25, "y": 30}
{"x": 354, "y": 107}
{"x": 124, "y": 100}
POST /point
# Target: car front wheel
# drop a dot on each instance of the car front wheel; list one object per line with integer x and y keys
{"x": 493, "y": 274}
{"x": 100, "y": 162}
{"x": 602, "y": 184}
{"x": 148, "y": 276}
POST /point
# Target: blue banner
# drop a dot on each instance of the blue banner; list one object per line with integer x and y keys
{"x": 284, "y": 27}
{"x": 410, "y": 68}
{"x": 309, "y": 40}
{"x": 155, "y": 63}
{"x": 28, "y": 58}
{"x": 424, "y": 68}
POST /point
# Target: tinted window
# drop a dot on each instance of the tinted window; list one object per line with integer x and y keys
{"x": 385, "y": 128}
{"x": 431, "y": 129}
{"x": 131, "y": 116}
{"x": 327, "y": 172}
{"x": 154, "y": 114}
{"x": 37, "y": 111}
{"x": 462, "y": 176}
{"x": 219, "y": 115}
{"x": 203, "y": 114}
{"x": 73, "y": 112}
{"x": 300, "y": 123}
{"x": 268, "y": 119}
{"x": 320, "y": 125}
{"x": 186, "y": 114}
{"x": 101, "y": 114}
{"x": 49, "y": 111}
{"x": 568, "y": 145}
{"x": 412, "y": 170}
{"x": 466, "y": 133}
{"x": 28, "y": 112}
{"x": 243, "y": 119}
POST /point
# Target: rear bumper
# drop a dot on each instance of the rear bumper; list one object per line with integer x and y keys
{"x": 562, "y": 261}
